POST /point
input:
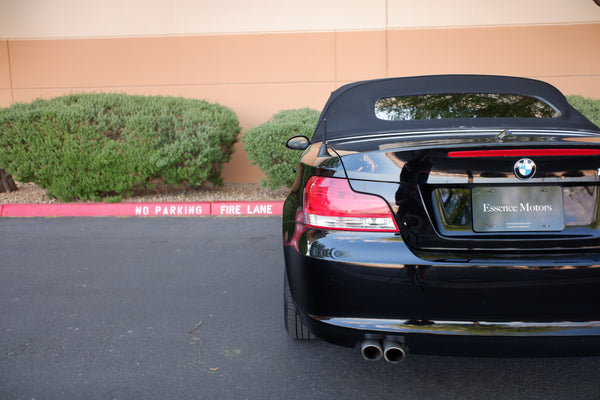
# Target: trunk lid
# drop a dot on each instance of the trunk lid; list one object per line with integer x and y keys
{"x": 512, "y": 194}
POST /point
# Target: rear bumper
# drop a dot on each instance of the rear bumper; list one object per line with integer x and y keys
{"x": 349, "y": 286}
{"x": 468, "y": 328}
{"x": 465, "y": 338}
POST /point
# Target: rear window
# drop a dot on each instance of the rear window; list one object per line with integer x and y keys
{"x": 462, "y": 105}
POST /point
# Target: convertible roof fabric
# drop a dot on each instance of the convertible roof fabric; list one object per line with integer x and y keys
{"x": 350, "y": 110}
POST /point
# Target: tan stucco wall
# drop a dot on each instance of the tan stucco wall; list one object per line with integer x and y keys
{"x": 292, "y": 54}
{"x": 118, "y": 18}
{"x": 5, "y": 84}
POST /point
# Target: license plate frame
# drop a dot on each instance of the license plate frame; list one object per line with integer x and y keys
{"x": 517, "y": 209}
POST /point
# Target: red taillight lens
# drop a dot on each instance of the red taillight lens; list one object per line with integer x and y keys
{"x": 331, "y": 203}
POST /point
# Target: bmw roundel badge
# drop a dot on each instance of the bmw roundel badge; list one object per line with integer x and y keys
{"x": 524, "y": 168}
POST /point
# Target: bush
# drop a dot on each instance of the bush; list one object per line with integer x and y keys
{"x": 93, "y": 146}
{"x": 265, "y": 145}
{"x": 588, "y": 107}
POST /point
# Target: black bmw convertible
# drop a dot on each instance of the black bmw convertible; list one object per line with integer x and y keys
{"x": 447, "y": 214}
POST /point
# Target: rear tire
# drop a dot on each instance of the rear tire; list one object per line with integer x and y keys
{"x": 293, "y": 322}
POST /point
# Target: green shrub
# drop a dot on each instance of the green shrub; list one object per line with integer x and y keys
{"x": 588, "y": 107}
{"x": 265, "y": 145}
{"x": 92, "y": 146}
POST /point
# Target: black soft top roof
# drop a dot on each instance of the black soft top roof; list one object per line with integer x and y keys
{"x": 350, "y": 110}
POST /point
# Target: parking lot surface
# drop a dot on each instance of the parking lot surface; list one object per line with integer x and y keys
{"x": 191, "y": 308}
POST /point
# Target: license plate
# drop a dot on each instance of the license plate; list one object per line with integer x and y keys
{"x": 518, "y": 209}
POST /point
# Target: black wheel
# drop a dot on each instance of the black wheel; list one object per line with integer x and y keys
{"x": 293, "y": 323}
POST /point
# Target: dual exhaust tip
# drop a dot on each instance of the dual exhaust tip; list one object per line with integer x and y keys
{"x": 393, "y": 351}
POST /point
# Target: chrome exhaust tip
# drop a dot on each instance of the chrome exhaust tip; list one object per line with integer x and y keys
{"x": 371, "y": 350}
{"x": 394, "y": 352}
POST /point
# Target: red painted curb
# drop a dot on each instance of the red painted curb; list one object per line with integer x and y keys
{"x": 182, "y": 209}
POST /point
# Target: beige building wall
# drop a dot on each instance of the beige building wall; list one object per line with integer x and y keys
{"x": 263, "y": 56}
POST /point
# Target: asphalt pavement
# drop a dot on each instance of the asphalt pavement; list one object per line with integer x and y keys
{"x": 191, "y": 308}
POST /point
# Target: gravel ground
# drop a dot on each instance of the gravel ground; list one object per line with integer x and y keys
{"x": 29, "y": 193}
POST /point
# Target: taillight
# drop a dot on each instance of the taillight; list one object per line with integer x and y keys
{"x": 330, "y": 203}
